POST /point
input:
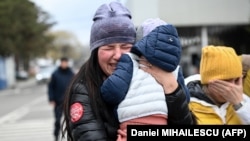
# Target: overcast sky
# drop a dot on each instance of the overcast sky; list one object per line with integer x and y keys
{"x": 74, "y": 16}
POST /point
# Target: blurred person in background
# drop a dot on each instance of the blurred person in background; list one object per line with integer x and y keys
{"x": 217, "y": 93}
{"x": 60, "y": 80}
{"x": 245, "y": 60}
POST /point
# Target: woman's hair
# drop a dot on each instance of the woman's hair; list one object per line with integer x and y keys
{"x": 92, "y": 77}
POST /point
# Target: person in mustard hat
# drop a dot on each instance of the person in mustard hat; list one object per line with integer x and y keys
{"x": 217, "y": 94}
{"x": 245, "y": 60}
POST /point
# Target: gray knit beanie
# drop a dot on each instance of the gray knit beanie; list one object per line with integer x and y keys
{"x": 112, "y": 24}
{"x": 147, "y": 26}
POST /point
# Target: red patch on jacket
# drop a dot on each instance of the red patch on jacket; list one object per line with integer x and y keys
{"x": 76, "y": 111}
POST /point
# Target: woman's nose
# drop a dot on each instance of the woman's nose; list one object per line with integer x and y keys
{"x": 117, "y": 53}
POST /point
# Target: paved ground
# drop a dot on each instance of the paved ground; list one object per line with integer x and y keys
{"x": 30, "y": 121}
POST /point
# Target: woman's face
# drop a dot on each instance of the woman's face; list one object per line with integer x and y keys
{"x": 109, "y": 55}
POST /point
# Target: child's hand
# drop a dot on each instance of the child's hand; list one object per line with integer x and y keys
{"x": 164, "y": 78}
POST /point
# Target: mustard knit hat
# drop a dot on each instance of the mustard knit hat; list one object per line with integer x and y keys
{"x": 219, "y": 62}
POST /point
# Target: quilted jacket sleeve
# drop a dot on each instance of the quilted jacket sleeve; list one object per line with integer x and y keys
{"x": 115, "y": 87}
{"x": 178, "y": 110}
{"x": 86, "y": 127}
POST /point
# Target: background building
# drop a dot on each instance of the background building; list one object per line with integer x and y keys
{"x": 199, "y": 23}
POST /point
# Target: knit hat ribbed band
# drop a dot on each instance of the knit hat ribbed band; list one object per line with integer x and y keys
{"x": 112, "y": 24}
{"x": 219, "y": 62}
